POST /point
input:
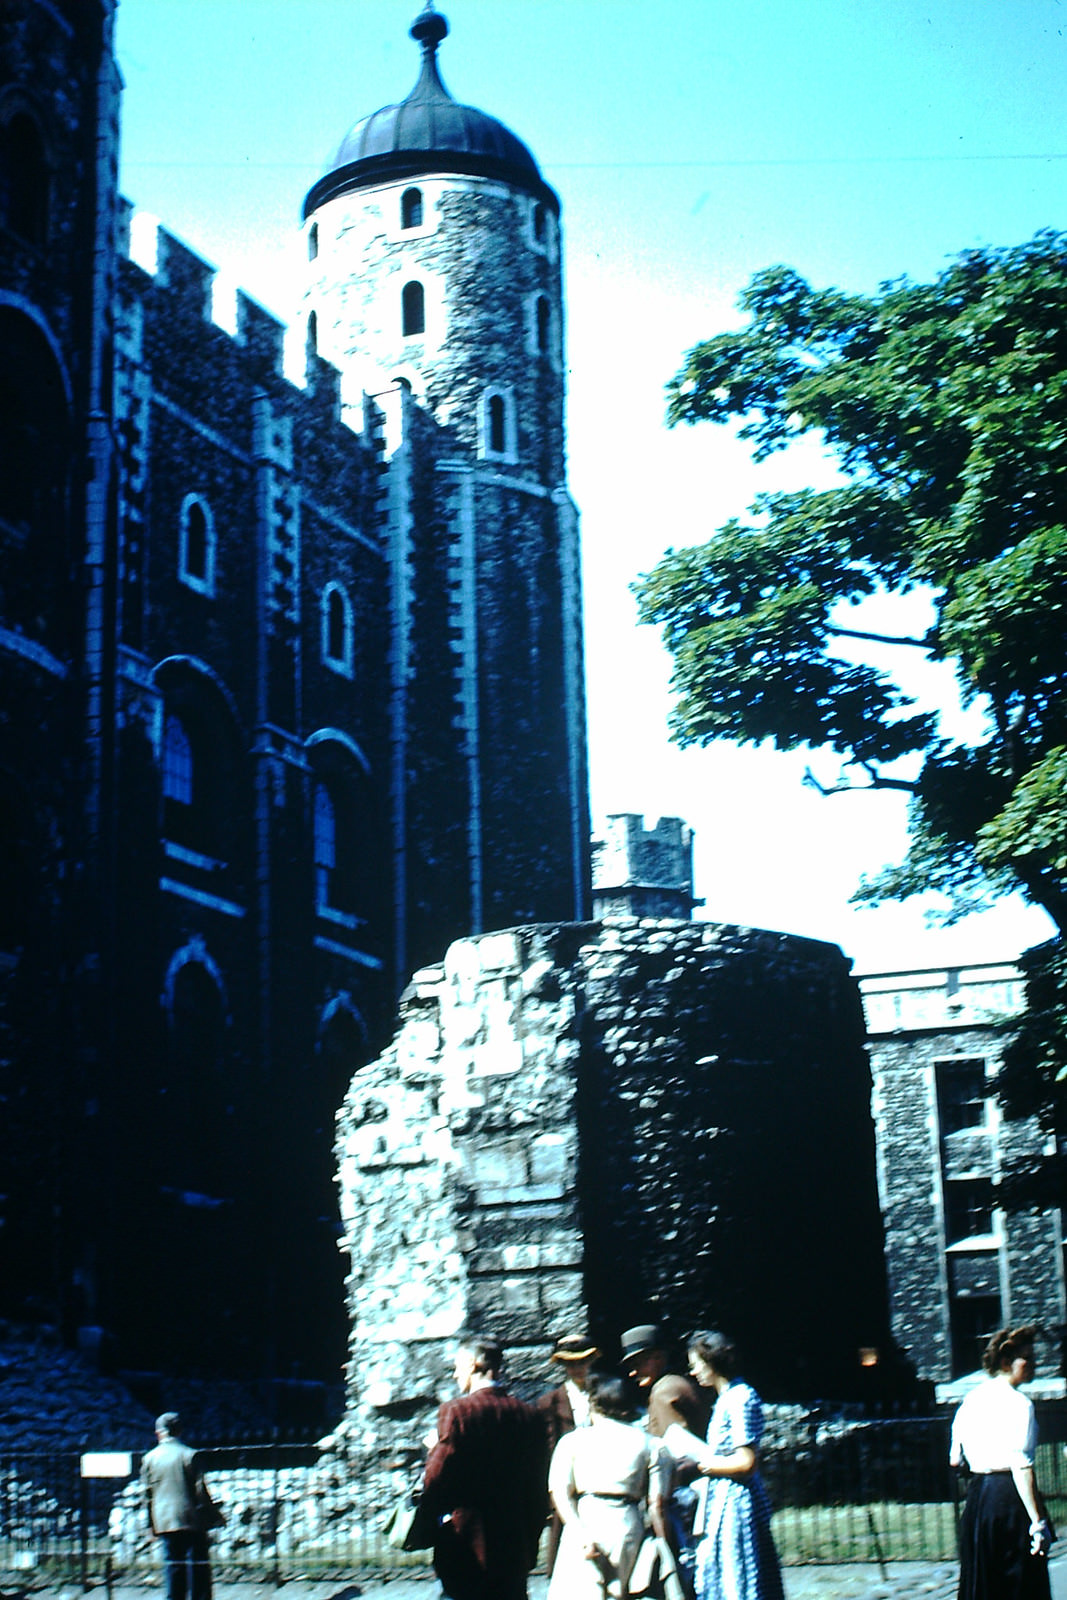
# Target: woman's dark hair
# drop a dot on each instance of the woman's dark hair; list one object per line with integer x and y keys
{"x": 716, "y": 1349}
{"x": 1005, "y": 1346}
{"x": 612, "y": 1397}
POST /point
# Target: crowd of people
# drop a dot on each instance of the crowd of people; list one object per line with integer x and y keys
{"x": 644, "y": 1494}
{"x": 651, "y": 1497}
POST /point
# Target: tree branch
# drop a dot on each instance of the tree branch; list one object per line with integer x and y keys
{"x": 877, "y": 638}
{"x": 877, "y": 781}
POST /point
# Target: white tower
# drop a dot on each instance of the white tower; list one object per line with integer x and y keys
{"x": 435, "y": 286}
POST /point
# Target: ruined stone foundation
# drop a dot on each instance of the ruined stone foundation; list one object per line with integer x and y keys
{"x": 597, "y": 1124}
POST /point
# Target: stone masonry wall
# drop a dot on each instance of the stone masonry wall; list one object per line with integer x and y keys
{"x": 586, "y": 1124}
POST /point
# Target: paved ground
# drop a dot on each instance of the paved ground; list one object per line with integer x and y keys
{"x": 900, "y": 1580}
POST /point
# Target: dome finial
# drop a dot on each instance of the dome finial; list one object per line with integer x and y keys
{"x": 429, "y": 28}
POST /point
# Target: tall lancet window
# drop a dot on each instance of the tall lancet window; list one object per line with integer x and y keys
{"x": 544, "y": 324}
{"x": 496, "y": 425}
{"x": 337, "y": 629}
{"x": 413, "y": 309}
{"x": 196, "y": 545}
{"x": 411, "y": 208}
{"x": 177, "y": 772}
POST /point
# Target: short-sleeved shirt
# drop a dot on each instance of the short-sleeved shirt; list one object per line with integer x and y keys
{"x": 994, "y": 1428}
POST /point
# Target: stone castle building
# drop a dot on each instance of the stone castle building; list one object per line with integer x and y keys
{"x": 959, "y": 1265}
{"x": 289, "y": 699}
{"x": 291, "y": 705}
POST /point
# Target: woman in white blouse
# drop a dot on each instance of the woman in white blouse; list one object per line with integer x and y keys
{"x": 605, "y": 1482}
{"x": 1004, "y": 1531}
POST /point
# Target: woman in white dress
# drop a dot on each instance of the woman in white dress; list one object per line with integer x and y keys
{"x": 1005, "y": 1533}
{"x": 606, "y": 1485}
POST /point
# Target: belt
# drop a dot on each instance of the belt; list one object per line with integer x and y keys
{"x": 618, "y": 1499}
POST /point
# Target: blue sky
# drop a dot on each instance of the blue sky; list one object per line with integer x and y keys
{"x": 692, "y": 142}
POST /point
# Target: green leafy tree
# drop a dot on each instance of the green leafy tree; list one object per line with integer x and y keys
{"x": 945, "y": 405}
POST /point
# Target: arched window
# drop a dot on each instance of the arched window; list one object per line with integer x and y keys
{"x": 23, "y": 179}
{"x": 177, "y": 762}
{"x": 411, "y": 208}
{"x": 313, "y": 331}
{"x": 544, "y": 323}
{"x": 203, "y": 774}
{"x": 337, "y": 629}
{"x": 344, "y": 821}
{"x": 334, "y": 846}
{"x": 538, "y": 221}
{"x": 196, "y": 545}
{"x": 313, "y": 241}
{"x": 413, "y": 309}
{"x": 497, "y": 424}
{"x": 335, "y": 626}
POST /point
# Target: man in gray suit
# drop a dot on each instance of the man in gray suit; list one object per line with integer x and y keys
{"x": 178, "y": 1505}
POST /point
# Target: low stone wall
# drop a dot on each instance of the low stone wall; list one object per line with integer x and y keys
{"x": 314, "y": 1511}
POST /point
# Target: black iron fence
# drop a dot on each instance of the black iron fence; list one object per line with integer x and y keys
{"x": 877, "y": 1491}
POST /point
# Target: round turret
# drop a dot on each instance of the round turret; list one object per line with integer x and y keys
{"x": 427, "y": 132}
{"x": 435, "y": 262}
{"x": 435, "y": 286}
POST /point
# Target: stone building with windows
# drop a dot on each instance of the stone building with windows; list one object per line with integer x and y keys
{"x": 291, "y": 703}
{"x": 958, "y": 1265}
{"x": 291, "y": 691}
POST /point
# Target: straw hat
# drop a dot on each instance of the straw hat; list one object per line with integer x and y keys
{"x": 574, "y": 1347}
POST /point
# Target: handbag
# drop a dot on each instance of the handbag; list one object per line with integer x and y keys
{"x": 409, "y": 1527}
{"x": 399, "y": 1525}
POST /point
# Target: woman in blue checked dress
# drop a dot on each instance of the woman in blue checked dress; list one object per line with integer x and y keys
{"x": 735, "y": 1556}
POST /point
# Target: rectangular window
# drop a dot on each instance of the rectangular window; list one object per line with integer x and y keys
{"x": 962, "y": 1092}
{"x": 968, "y": 1209}
{"x": 972, "y": 1320}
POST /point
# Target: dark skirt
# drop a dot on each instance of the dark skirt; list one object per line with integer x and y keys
{"x": 995, "y": 1559}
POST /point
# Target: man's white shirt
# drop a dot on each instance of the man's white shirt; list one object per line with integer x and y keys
{"x": 579, "y": 1403}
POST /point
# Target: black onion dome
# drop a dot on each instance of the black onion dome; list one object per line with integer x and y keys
{"x": 428, "y": 132}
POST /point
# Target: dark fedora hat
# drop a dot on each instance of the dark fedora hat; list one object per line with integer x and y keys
{"x": 636, "y": 1341}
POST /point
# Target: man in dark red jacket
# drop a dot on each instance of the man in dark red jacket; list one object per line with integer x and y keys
{"x": 485, "y": 1482}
